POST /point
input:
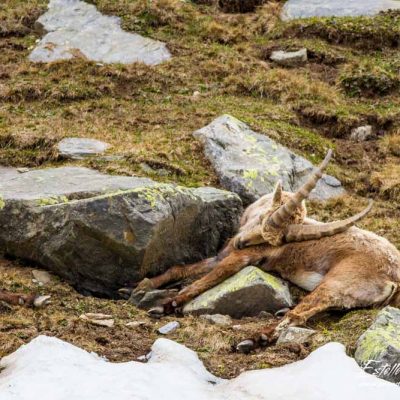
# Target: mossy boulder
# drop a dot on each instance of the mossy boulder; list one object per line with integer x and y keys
{"x": 103, "y": 232}
{"x": 250, "y": 164}
{"x": 378, "y": 349}
{"x": 245, "y": 294}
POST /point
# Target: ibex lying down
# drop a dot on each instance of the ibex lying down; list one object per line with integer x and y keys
{"x": 341, "y": 265}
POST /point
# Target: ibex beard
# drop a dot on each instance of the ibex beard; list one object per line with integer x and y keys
{"x": 342, "y": 266}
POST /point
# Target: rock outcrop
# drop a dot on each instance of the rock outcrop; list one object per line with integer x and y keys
{"x": 250, "y": 164}
{"x": 74, "y": 28}
{"x": 102, "y": 232}
{"x": 378, "y": 349}
{"x": 335, "y": 8}
{"x": 245, "y": 294}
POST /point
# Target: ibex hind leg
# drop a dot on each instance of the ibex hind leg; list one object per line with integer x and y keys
{"x": 346, "y": 286}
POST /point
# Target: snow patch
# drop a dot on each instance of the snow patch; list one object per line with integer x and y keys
{"x": 50, "y": 369}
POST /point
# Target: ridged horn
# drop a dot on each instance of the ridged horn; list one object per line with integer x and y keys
{"x": 278, "y": 218}
{"x": 300, "y": 233}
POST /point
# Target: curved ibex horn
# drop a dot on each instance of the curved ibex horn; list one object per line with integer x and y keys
{"x": 278, "y": 218}
{"x": 299, "y": 233}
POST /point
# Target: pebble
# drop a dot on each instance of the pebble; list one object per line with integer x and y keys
{"x": 169, "y": 328}
{"x": 218, "y": 319}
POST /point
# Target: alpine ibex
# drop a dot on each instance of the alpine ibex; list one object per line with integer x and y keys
{"x": 341, "y": 265}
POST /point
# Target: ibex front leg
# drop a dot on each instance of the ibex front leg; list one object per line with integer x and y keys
{"x": 228, "y": 266}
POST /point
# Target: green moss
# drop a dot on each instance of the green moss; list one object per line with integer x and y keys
{"x": 2, "y": 203}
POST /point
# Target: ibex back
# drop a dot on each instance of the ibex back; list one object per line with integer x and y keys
{"x": 341, "y": 265}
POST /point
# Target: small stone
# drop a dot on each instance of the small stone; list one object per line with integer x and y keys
{"x": 41, "y": 301}
{"x": 237, "y": 327}
{"x": 296, "y": 335}
{"x": 169, "y": 328}
{"x": 362, "y": 133}
{"x": 23, "y": 170}
{"x": 218, "y": 319}
{"x": 79, "y": 148}
{"x": 98, "y": 319}
{"x": 289, "y": 58}
{"x": 42, "y": 277}
{"x": 378, "y": 349}
{"x": 136, "y": 324}
{"x": 245, "y": 347}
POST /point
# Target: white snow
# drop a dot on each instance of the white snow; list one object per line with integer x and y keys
{"x": 50, "y": 369}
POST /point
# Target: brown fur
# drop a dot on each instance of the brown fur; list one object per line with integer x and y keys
{"x": 352, "y": 269}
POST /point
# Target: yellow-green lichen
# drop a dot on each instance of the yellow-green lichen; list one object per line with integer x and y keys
{"x": 250, "y": 174}
{"x": 50, "y": 201}
{"x": 374, "y": 342}
{"x": 2, "y": 203}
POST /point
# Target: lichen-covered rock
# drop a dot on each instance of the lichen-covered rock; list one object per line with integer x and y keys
{"x": 250, "y": 164}
{"x": 245, "y": 294}
{"x": 378, "y": 349}
{"x": 103, "y": 232}
{"x": 76, "y": 29}
{"x": 79, "y": 148}
{"x": 335, "y": 8}
{"x": 239, "y": 6}
{"x": 289, "y": 58}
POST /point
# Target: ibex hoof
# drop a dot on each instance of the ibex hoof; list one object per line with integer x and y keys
{"x": 246, "y": 346}
{"x": 282, "y": 312}
{"x": 156, "y": 312}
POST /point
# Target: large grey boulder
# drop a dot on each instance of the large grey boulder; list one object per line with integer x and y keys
{"x": 102, "y": 232}
{"x": 245, "y": 294}
{"x": 74, "y": 28}
{"x": 335, "y": 8}
{"x": 79, "y": 148}
{"x": 378, "y": 349}
{"x": 250, "y": 164}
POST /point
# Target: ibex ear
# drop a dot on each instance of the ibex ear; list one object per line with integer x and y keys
{"x": 277, "y": 196}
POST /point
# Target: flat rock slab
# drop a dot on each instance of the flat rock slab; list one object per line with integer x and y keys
{"x": 335, "y": 8}
{"x": 245, "y": 294}
{"x": 250, "y": 164}
{"x": 79, "y": 148}
{"x": 74, "y": 28}
{"x": 103, "y": 232}
{"x": 378, "y": 349}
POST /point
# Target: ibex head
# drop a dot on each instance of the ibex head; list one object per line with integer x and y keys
{"x": 283, "y": 221}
